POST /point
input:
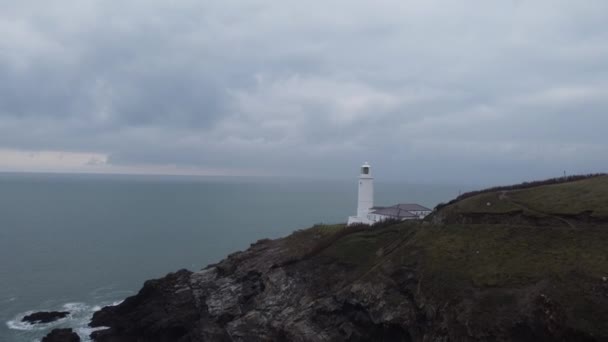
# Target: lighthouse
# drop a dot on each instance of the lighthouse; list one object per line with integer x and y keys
{"x": 368, "y": 214}
{"x": 366, "y": 191}
{"x": 365, "y": 201}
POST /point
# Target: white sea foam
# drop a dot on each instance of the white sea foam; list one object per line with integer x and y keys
{"x": 85, "y": 332}
{"x": 78, "y": 319}
{"x": 8, "y": 300}
{"x": 18, "y": 324}
{"x": 80, "y": 315}
{"x": 76, "y": 307}
{"x": 116, "y": 303}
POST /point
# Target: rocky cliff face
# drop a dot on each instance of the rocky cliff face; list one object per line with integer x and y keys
{"x": 407, "y": 282}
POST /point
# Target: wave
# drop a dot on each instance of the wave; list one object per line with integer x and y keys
{"x": 78, "y": 319}
{"x": 18, "y": 324}
{"x": 8, "y": 300}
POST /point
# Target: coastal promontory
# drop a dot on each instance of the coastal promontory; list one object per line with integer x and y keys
{"x": 521, "y": 263}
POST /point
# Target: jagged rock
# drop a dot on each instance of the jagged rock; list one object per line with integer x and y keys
{"x": 164, "y": 310}
{"x": 45, "y": 316}
{"x": 61, "y": 335}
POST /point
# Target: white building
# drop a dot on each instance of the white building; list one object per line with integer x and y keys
{"x": 366, "y": 197}
{"x": 368, "y": 214}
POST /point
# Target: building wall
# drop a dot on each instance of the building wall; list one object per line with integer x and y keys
{"x": 356, "y": 219}
{"x": 421, "y": 214}
{"x": 378, "y": 218}
{"x": 373, "y": 218}
{"x": 366, "y": 196}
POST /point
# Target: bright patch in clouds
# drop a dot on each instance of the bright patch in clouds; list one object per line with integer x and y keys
{"x": 51, "y": 161}
{"x": 77, "y": 162}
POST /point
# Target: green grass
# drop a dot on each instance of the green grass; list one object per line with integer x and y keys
{"x": 512, "y": 255}
{"x": 490, "y": 265}
{"x": 568, "y": 198}
{"x": 302, "y": 241}
{"x": 498, "y": 260}
{"x": 589, "y": 195}
{"x": 326, "y": 229}
{"x": 482, "y": 255}
{"x": 362, "y": 248}
{"x": 484, "y": 203}
{"x": 487, "y": 264}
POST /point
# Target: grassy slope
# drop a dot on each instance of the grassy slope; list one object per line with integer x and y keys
{"x": 565, "y": 199}
{"x": 457, "y": 259}
{"x": 568, "y": 198}
{"x": 494, "y": 255}
{"x": 498, "y": 259}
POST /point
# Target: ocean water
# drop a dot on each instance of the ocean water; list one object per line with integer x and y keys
{"x": 79, "y": 242}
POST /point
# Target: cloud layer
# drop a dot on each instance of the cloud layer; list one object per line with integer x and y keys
{"x": 426, "y": 90}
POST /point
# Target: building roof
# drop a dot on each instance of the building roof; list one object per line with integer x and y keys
{"x": 395, "y": 212}
{"x": 399, "y": 210}
{"x": 406, "y": 206}
{"x": 412, "y": 207}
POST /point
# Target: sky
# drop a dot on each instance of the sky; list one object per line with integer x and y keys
{"x": 426, "y": 91}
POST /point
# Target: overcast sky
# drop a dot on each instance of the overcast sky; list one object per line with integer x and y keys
{"x": 426, "y": 91}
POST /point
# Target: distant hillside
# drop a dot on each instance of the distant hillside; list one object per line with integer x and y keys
{"x": 521, "y": 186}
{"x": 583, "y": 200}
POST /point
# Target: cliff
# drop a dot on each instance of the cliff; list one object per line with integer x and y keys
{"x": 494, "y": 278}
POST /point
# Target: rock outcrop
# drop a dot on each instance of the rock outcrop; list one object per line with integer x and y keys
{"x": 45, "y": 317}
{"x": 61, "y": 335}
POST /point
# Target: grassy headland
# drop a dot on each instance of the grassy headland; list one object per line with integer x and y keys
{"x": 495, "y": 263}
{"x": 522, "y": 263}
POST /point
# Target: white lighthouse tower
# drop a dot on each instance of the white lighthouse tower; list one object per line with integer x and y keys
{"x": 366, "y": 196}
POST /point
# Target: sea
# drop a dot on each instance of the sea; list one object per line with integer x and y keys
{"x": 80, "y": 242}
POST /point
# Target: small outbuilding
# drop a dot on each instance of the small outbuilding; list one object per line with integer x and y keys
{"x": 402, "y": 211}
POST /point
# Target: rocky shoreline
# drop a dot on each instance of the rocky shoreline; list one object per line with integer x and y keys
{"x": 263, "y": 294}
{"x": 507, "y": 271}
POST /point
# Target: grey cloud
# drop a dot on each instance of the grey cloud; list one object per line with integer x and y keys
{"x": 426, "y": 90}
